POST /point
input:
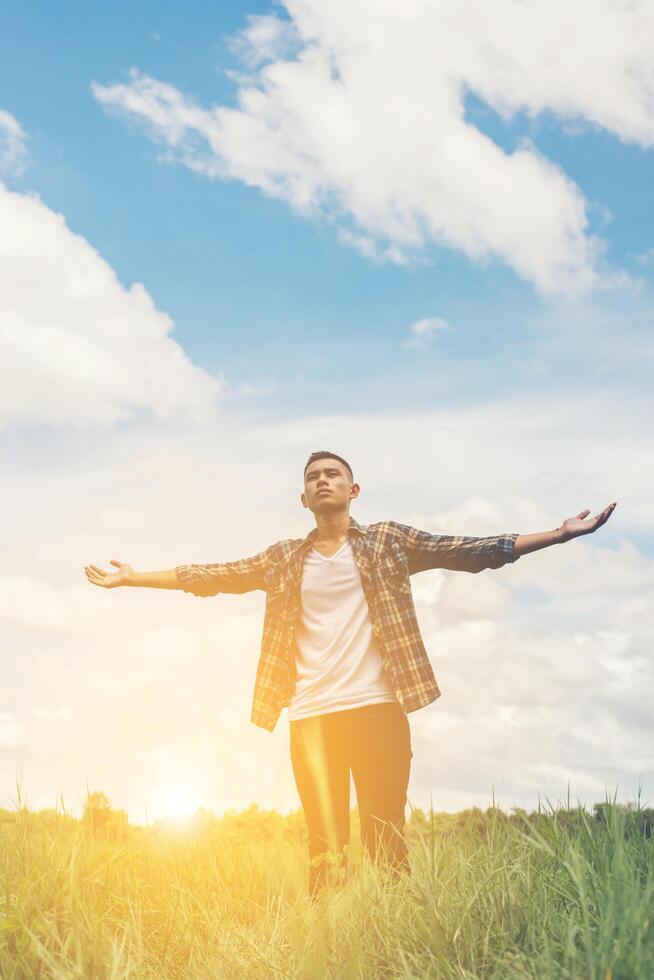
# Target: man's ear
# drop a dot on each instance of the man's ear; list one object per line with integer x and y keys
{"x": 354, "y": 491}
{"x": 303, "y": 498}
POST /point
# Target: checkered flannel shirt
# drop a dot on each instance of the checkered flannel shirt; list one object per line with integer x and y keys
{"x": 386, "y": 555}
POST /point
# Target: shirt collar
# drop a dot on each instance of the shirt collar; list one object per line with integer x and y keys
{"x": 354, "y": 527}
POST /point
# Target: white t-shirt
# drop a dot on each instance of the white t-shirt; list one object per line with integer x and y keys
{"x": 337, "y": 661}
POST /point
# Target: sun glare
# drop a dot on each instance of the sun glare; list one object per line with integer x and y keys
{"x": 177, "y": 803}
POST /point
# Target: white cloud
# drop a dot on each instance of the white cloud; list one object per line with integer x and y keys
{"x": 423, "y": 331}
{"x": 13, "y": 146}
{"x": 79, "y": 348}
{"x": 266, "y": 38}
{"x": 357, "y": 111}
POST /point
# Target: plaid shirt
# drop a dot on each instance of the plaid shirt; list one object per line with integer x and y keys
{"x": 386, "y": 555}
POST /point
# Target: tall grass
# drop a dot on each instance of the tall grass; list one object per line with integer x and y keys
{"x": 556, "y": 894}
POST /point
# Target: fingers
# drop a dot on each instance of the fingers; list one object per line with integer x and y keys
{"x": 94, "y": 574}
{"x": 604, "y": 515}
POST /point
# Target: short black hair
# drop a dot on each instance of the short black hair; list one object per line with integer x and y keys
{"x": 323, "y": 454}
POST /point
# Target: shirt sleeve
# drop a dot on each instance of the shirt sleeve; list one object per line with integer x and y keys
{"x": 240, "y": 576}
{"x": 462, "y": 554}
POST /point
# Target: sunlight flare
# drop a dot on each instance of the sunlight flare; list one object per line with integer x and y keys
{"x": 175, "y": 802}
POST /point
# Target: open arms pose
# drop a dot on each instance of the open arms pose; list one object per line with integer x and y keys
{"x": 341, "y": 647}
{"x": 573, "y": 527}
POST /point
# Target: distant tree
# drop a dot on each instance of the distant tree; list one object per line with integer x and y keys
{"x": 101, "y": 819}
{"x": 97, "y": 811}
{"x": 635, "y": 820}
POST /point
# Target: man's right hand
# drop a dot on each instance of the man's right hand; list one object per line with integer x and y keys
{"x": 110, "y": 580}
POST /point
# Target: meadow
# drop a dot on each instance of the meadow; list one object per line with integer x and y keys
{"x": 559, "y": 893}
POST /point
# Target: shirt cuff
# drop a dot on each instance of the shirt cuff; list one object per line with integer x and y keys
{"x": 186, "y": 578}
{"x": 506, "y": 546}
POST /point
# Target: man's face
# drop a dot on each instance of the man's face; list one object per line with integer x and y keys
{"x": 327, "y": 487}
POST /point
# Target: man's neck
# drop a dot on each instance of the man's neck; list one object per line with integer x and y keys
{"x": 332, "y": 528}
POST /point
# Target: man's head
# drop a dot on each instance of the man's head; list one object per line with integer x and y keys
{"x": 328, "y": 483}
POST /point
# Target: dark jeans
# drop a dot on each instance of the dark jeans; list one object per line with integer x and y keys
{"x": 375, "y": 743}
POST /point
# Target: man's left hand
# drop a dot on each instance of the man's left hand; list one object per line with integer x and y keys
{"x": 575, "y": 526}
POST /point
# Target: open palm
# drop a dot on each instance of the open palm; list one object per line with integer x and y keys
{"x": 574, "y": 526}
{"x": 109, "y": 580}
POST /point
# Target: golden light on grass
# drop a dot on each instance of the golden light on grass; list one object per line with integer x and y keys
{"x": 557, "y": 893}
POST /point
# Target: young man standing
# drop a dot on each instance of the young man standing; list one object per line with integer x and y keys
{"x": 342, "y": 649}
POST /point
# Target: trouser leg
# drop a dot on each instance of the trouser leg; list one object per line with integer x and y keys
{"x": 380, "y": 757}
{"x": 322, "y": 776}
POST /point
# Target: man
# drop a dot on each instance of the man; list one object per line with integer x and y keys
{"x": 342, "y": 649}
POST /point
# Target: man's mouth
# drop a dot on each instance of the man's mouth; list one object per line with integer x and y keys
{"x": 323, "y": 491}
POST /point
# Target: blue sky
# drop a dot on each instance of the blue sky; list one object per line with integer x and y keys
{"x": 254, "y": 289}
{"x": 296, "y": 188}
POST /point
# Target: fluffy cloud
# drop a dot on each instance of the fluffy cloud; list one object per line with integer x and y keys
{"x": 423, "y": 331}
{"x": 77, "y": 346}
{"x": 358, "y": 111}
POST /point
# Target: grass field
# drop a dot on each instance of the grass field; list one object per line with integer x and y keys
{"x": 561, "y": 893}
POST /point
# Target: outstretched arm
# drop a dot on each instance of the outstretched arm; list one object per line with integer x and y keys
{"x": 573, "y": 527}
{"x": 200, "y": 580}
{"x": 127, "y": 576}
{"x": 470, "y": 554}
